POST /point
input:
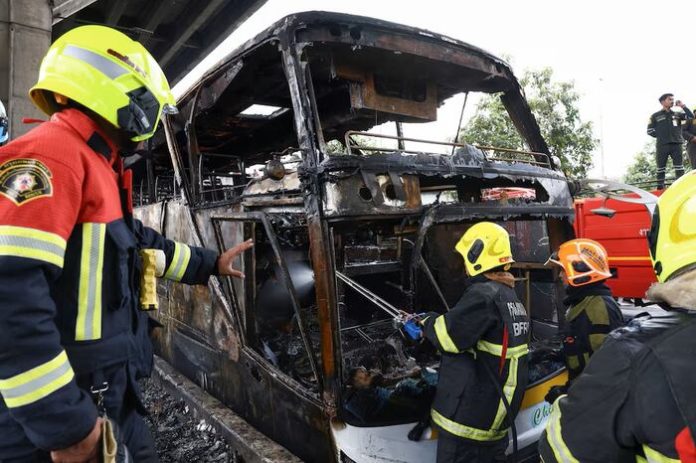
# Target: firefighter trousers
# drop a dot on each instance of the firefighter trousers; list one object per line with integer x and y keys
{"x": 691, "y": 151}
{"x": 123, "y": 407}
{"x": 671, "y": 150}
{"x": 451, "y": 449}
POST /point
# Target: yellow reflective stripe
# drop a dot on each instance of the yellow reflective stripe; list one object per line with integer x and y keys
{"x": 596, "y": 341}
{"x": 32, "y": 244}
{"x": 443, "y": 336}
{"x": 653, "y": 456}
{"x": 497, "y": 349}
{"x": 509, "y": 390}
{"x": 89, "y": 301}
{"x": 35, "y": 384}
{"x": 180, "y": 261}
{"x": 462, "y": 430}
{"x": 573, "y": 362}
{"x": 555, "y": 438}
{"x": 632, "y": 258}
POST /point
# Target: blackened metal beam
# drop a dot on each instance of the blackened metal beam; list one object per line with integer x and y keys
{"x": 65, "y": 8}
{"x": 154, "y": 17}
{"x": 187, "y": 30}
{"x": 115, "y": 12}
{"x": 218, "y": 28}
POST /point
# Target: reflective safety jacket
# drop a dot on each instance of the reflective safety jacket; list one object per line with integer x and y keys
{"x": 633, "y": 400}
{"x": 471, "y": 338}
{"x": 592, "y": 314}
{"x": 667, "y": 126}
{"x": 69, "y": 276}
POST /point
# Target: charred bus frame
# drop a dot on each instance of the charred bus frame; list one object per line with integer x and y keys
{"x": 333, "y": 85}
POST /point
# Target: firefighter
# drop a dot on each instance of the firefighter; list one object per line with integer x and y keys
{"x": 73, "y": 338}
{"x": 666, "y": 127}
{"x": 635, "y": 401}
{"x": 591, "y": 310}
{"x": 484, "y": 346}
{"x": 689, "y": 133}
{"x": 4, "y": 125}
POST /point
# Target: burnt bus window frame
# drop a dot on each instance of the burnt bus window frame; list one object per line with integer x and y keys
{"x": 187, "y": 157}
{"x": 431, "y": 219}
{"x": 250, "y": 220}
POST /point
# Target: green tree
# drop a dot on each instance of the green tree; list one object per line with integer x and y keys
{"x": 644, "y": 168}
{"x": 555, "y": 107}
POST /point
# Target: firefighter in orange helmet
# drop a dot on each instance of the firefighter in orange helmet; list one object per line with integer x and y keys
{"x": 592, "y": 312}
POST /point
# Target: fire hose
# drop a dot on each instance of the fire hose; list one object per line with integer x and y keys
{"x": 415, "y": 332}
{"x": 404, "y": 319}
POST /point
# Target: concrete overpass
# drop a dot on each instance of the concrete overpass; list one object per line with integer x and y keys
{"x": 179, "y": 33}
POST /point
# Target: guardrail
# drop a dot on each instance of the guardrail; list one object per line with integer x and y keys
{"x": 533, "y": 157}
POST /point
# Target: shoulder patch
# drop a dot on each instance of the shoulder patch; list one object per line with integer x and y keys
{"x": 24, "y": 180}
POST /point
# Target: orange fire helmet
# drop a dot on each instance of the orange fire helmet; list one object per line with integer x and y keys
{"x": 584, "y": 261}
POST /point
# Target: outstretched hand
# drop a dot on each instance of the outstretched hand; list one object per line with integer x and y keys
{"x": 225, "y": 260}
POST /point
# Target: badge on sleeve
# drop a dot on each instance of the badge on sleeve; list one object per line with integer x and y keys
{"x": 24, "y": 180}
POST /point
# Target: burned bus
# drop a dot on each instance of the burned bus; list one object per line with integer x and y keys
{"x": 279, "y": 143}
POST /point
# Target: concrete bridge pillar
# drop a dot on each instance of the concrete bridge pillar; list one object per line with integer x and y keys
{"x": 25, "y": 35}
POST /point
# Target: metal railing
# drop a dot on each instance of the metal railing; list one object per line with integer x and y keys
{"x": 533, "y": 158}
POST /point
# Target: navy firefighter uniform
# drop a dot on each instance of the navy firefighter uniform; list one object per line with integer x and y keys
{"x": 69, "y": 266}
{"x": 483, "y": 340}
{"x": 73, "y": 341}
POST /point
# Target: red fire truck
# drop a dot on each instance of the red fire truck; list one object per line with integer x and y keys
{"x": 622, "y": 228}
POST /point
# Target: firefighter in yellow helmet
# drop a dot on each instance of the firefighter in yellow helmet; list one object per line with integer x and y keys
{"x": 74, "y": 341}
{"x": 635, "y": 400}
{"x": 592, "y": 313}
{"x": 4, "y": 125}
{"x": 484, "y": 344}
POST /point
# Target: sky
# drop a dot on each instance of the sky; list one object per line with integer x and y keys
{"x": 620, "y": 55}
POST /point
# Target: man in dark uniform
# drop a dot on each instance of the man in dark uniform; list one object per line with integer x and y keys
{"x": 73, "y": 338}
{"x": 484, "y": 346}
{"x": 689, "y": 133}
{"x": 666, "y": 127}
{"x": 635, "y": 400}
{"x": 592, "y": 311}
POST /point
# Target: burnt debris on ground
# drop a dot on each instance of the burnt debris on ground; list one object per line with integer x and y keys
{"x": 179, "y": 435}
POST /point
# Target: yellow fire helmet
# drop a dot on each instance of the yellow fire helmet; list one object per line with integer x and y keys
{"x": 108, "y": 73}
{"x": 672, "y": 237}
{"x": 484, "y": 247}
